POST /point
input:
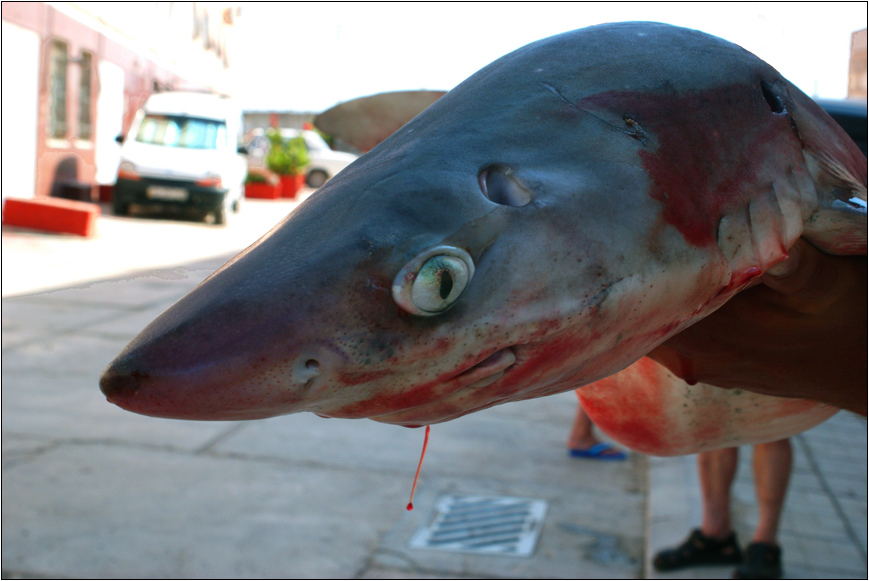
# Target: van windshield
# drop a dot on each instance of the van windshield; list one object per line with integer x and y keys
{"x": 177, "y": 131}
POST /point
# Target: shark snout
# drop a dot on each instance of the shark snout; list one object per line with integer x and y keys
{"x": 118, "y": 383}
{"x": 134, "y": 386}
{"x": 253, "y": 385}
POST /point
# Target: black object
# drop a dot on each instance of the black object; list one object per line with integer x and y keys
{"x": 762, "y": 561}
{"x": 65, "y": 183}
{"x": 698, "y": 549}
{"x": 851, "y": 115}
{"x": 79, "y": 191}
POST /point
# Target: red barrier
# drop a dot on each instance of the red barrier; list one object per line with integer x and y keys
{"x": 52, "y": 215}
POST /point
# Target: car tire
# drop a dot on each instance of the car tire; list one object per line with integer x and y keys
{"x": 119, "y": 209}
{"x": 220, "y": 216}
{"x": 316, "y": 178}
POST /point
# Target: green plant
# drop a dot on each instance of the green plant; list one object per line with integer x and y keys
{"x": 256, "y": 178}
{"x": 286, "y": 157}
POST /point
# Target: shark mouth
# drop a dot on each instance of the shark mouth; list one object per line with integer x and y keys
{"x": 489, "y": 370}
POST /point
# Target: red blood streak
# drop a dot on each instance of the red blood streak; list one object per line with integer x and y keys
{"x": 711, "y": 147}
{"x": 550, "y": 356}
{"x": 418, "y": 468}
{"x": 629, "y": 406}
{"x": 384, "y": 403}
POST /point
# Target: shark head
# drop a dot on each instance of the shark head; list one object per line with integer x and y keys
{"x": 540, "y": 227}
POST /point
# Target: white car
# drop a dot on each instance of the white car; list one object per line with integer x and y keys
{"x": 325, "y": 162}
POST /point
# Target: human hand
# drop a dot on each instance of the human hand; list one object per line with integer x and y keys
{"x": 801, "y": 333}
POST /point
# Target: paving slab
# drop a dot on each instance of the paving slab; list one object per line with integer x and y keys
{"x": 98, "y": 511}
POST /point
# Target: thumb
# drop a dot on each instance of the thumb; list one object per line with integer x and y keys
{"x": 807, "y": 274}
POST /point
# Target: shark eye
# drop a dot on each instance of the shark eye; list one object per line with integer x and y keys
{"x": 499, "y": 185}
{"x": 432, "y": 282}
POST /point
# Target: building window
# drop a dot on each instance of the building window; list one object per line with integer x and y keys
{"x": 57, "y": 127}
{"x": 85, "y": 129}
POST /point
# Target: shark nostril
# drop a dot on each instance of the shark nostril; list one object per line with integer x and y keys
{"x": 305, "y": 369}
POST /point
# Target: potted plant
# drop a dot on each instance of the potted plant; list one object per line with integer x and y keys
{"x": 262, "y": 185}
{"x": 287, "y": 158}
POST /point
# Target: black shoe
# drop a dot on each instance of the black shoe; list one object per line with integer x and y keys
{"x": 699, "y": 549}
{"x": 762, "y": 561}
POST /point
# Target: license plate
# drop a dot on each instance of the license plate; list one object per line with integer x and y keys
{"x": 164, "y": 193}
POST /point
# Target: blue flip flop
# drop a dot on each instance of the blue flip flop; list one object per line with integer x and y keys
{"x": 598, "y": 452}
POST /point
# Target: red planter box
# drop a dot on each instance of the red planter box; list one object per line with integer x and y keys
{"x": 262, "y": 191}
{"x": 52, "y": 215}
{"x": 290, "y": 185}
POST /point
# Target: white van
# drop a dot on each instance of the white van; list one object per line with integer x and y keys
{"x": 183, "y": 151}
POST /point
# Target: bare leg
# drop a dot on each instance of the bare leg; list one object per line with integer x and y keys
{"x": 772, "y": 469}
{"x": 581, "y": 433}
{"x": 715, "y": 543}
{"x": 717, "y": 470}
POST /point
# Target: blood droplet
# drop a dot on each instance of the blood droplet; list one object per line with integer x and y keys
{"x": 418, "y": 468}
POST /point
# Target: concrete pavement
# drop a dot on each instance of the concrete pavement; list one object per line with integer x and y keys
{"x": 91, "y": 491}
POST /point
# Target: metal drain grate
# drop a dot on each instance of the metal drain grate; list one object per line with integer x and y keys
{"x": 489, "y": 525}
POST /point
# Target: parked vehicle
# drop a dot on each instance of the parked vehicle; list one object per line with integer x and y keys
{"x": 851, "y": 115}
{"x": 325, "y": 162}
{"x": 183, "y": 152}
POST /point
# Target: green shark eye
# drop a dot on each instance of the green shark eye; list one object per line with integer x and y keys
{"x": 432, "y": 282}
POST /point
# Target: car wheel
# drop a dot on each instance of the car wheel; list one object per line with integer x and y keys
{"x": 119, "y": 209}
{"x": 316, "y": 178}
{"x": 220, "y": 216}
{"x": 236, "y": 206}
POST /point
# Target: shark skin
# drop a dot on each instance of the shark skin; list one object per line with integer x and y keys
{"x": 540, "y": 227}
{"x": 648, "y": 409}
